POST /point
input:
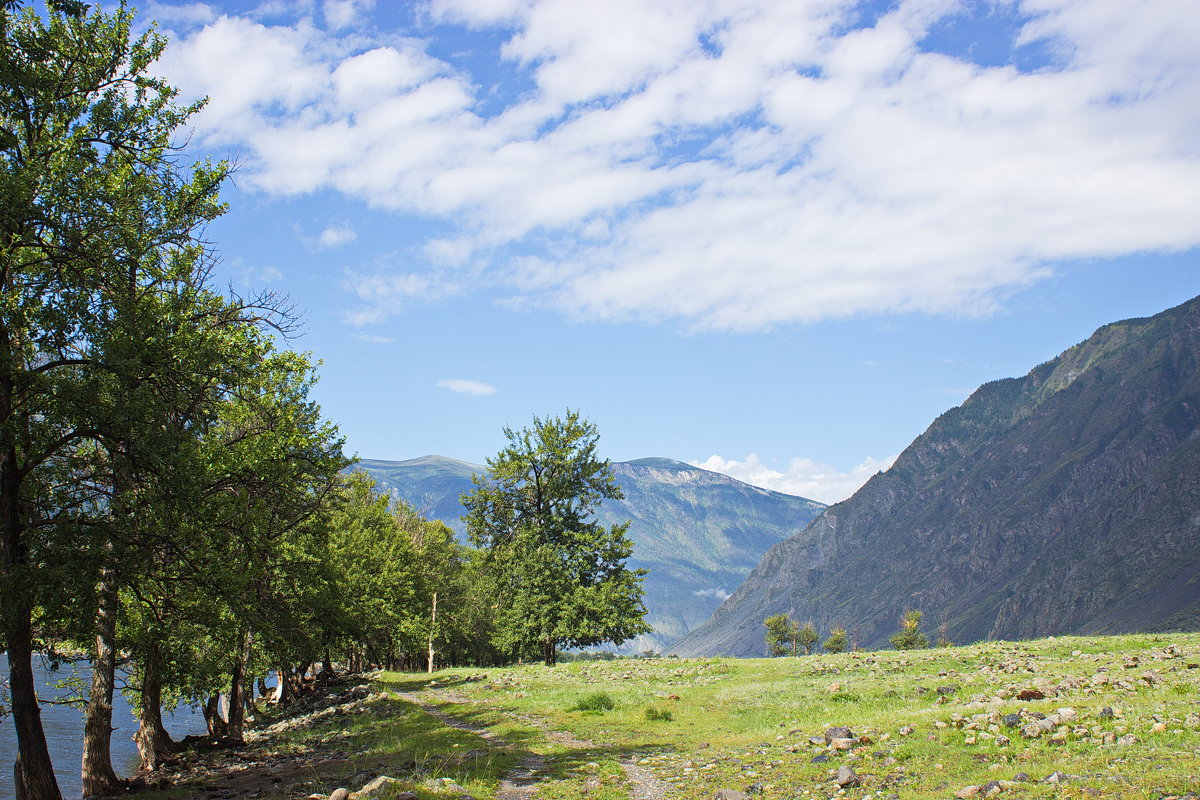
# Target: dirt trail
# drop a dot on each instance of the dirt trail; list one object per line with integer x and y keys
{"x": 522, "y": 782}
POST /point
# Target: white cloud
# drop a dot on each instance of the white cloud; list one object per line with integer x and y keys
{"x": 803, "y": 476}
{"x": 373, "y": 339}
{"x": 476, "y": 388}
{"x": 336, "y": 236}
{"x": 344, "y": 13}
{"x": 728, "y": 164}
{"x": 716, "y": 593}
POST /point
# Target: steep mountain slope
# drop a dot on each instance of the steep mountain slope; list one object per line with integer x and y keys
{"x": 1066, "y": 501}
{"x": 698, "y": 532}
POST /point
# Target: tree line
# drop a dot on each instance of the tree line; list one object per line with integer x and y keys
{"x": 172, "y": 501}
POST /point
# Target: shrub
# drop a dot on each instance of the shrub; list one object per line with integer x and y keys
{"x": 909, "y": 637}
{"x": 658, "y": 714}
{"x": 838, "y": 641}
{"x": 596, "y": 701}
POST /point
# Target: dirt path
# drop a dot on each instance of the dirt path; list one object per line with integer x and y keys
{"x": 522, "y": 782}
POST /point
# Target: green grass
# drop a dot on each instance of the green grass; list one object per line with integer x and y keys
{"x": 705, "y": 724}
{"x": 746, "y": 723}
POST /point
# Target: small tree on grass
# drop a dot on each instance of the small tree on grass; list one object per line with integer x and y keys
{"x": 838, "y": 641}
{"x": 910, "y": 637}
{"x": 780, "y": 634}
{"x": 808, "y": 637}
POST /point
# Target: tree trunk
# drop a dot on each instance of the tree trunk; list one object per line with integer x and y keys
{"x": 282, "y": 694}
{"x": 99, "y": 777}
{"x": 432, "y": 626}
{"x": 237, "y": 706}
{"x": 550, "y": 651}
{"x": 212, "y": 717}
{"x": 33, "y": 773}
{"x": 153, "y": 741}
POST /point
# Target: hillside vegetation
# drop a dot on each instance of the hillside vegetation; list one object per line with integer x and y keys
{"x": 1095, "y": 717}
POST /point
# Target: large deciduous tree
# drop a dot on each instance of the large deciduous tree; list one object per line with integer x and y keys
{"x": 561, "y": 578}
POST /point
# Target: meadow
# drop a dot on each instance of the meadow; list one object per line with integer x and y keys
{"x": 1064, "y": 717}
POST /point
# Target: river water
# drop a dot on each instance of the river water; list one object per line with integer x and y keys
{"x": 64, "y": 730}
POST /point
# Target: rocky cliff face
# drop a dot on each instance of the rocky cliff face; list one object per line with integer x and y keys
{"x": 699, "y": 533}
{"x": 1066, "y": 501}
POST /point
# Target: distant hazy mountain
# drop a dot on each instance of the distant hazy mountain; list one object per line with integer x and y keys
{"x": 1066, "y": 501}
{"x": 698, "y": 532}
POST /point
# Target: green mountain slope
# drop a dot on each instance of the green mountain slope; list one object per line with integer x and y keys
{"x": 1066, "y": 501}
{"x": 698, "y": 532}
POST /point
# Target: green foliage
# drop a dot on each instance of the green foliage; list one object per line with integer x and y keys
{"x": 560, "y": 576}
{"x": 910, "y": 637}
{"x": 784, "y": 635}
{"x": 654, "y": 714}
{"x": 838, "y": 641}
{"x": 596, "y": 701}
{"x": 808, "y": 637}
{"x": 779, "y": 637}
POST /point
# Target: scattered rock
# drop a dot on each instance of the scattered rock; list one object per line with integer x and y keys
{"x": 1054, "y": 777}
{"x": 376, "y": 787}
{"x": 340, "y": 794}
{"x": 967, "y": 791}
{"x": 947, "y": 690}
{"x": 1031, "y": 694}
{"x": 1021, "y": 777}
{"x": 842, "y": 744}
{"x": 730, "y": 794}
{"x": 1012, "y": 720}
{"x": 847, "y": 777}
{"x": 820, "y": 758}
{"x": 1106, "y": 713}
{"x": 1127, "y": 739}
{"x": 838, "y": 732}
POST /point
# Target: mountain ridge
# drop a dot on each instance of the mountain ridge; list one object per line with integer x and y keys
{"x": 983, "y": 519}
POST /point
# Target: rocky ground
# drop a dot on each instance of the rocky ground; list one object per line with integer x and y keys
{"x": 1115, "y": 717}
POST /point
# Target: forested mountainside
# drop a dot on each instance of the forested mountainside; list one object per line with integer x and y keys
{"x": 698, "y": 532}
{"x": 1066, "y": 501}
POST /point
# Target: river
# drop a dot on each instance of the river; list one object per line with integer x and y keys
{"x": 64, "y": 731}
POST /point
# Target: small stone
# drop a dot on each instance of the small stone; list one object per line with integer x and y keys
{"x": 842, "y": 744}
{"x": 1158, "y": 727}
{"x": 820, "y": 758}
{"x": 1054, "y": 777}
{"x": 1012, "y": 720}
{"x": 1106, "y": 713}
{"x": 1002, "y": 741}
{"x": 730, "y": 794}
{"x": 847, "y": 777}
{"x": 838, "y": 732}
{"x": 1067, "y": 714}
{"x": 967, "y": 791}
{"x": 907, "y": 730}
{"x": 340, "y": 794}
{"x": 1127, "y": 740}
{"x": 375, "y": 787}
{"x": 1021, "y": 777}
{"x": 949, "y": 689}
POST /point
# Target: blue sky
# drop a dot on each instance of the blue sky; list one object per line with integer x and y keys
{"x": 773, "y": 238}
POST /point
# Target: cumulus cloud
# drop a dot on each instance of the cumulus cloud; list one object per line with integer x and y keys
{"x": 336, "y": 237}
{"x": 803, "y": 476}
{"x": 716, "y": 593}
{"x": 729, "y": 165}
{"x": 460, "y": 386}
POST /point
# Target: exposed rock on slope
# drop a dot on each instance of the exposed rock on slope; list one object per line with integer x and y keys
{"x": 698, "y": 532}
{"x": 1066, "y": 501}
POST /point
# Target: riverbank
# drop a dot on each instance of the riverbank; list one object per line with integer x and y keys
{"x": 1114, "y": 718}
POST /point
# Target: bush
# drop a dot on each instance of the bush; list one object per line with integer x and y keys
{"x": 596, "y": 701}
{"x": 909, "y": 637}
{"x": 837, "y": 642}
{"x": 658, "y": 714}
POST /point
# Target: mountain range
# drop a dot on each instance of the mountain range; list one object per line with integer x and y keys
{"x": 699, "y": 533}
{"x": 1065, "y": 501}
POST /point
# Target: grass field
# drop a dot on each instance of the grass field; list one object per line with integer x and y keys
{"x": 1115, "y": 717}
